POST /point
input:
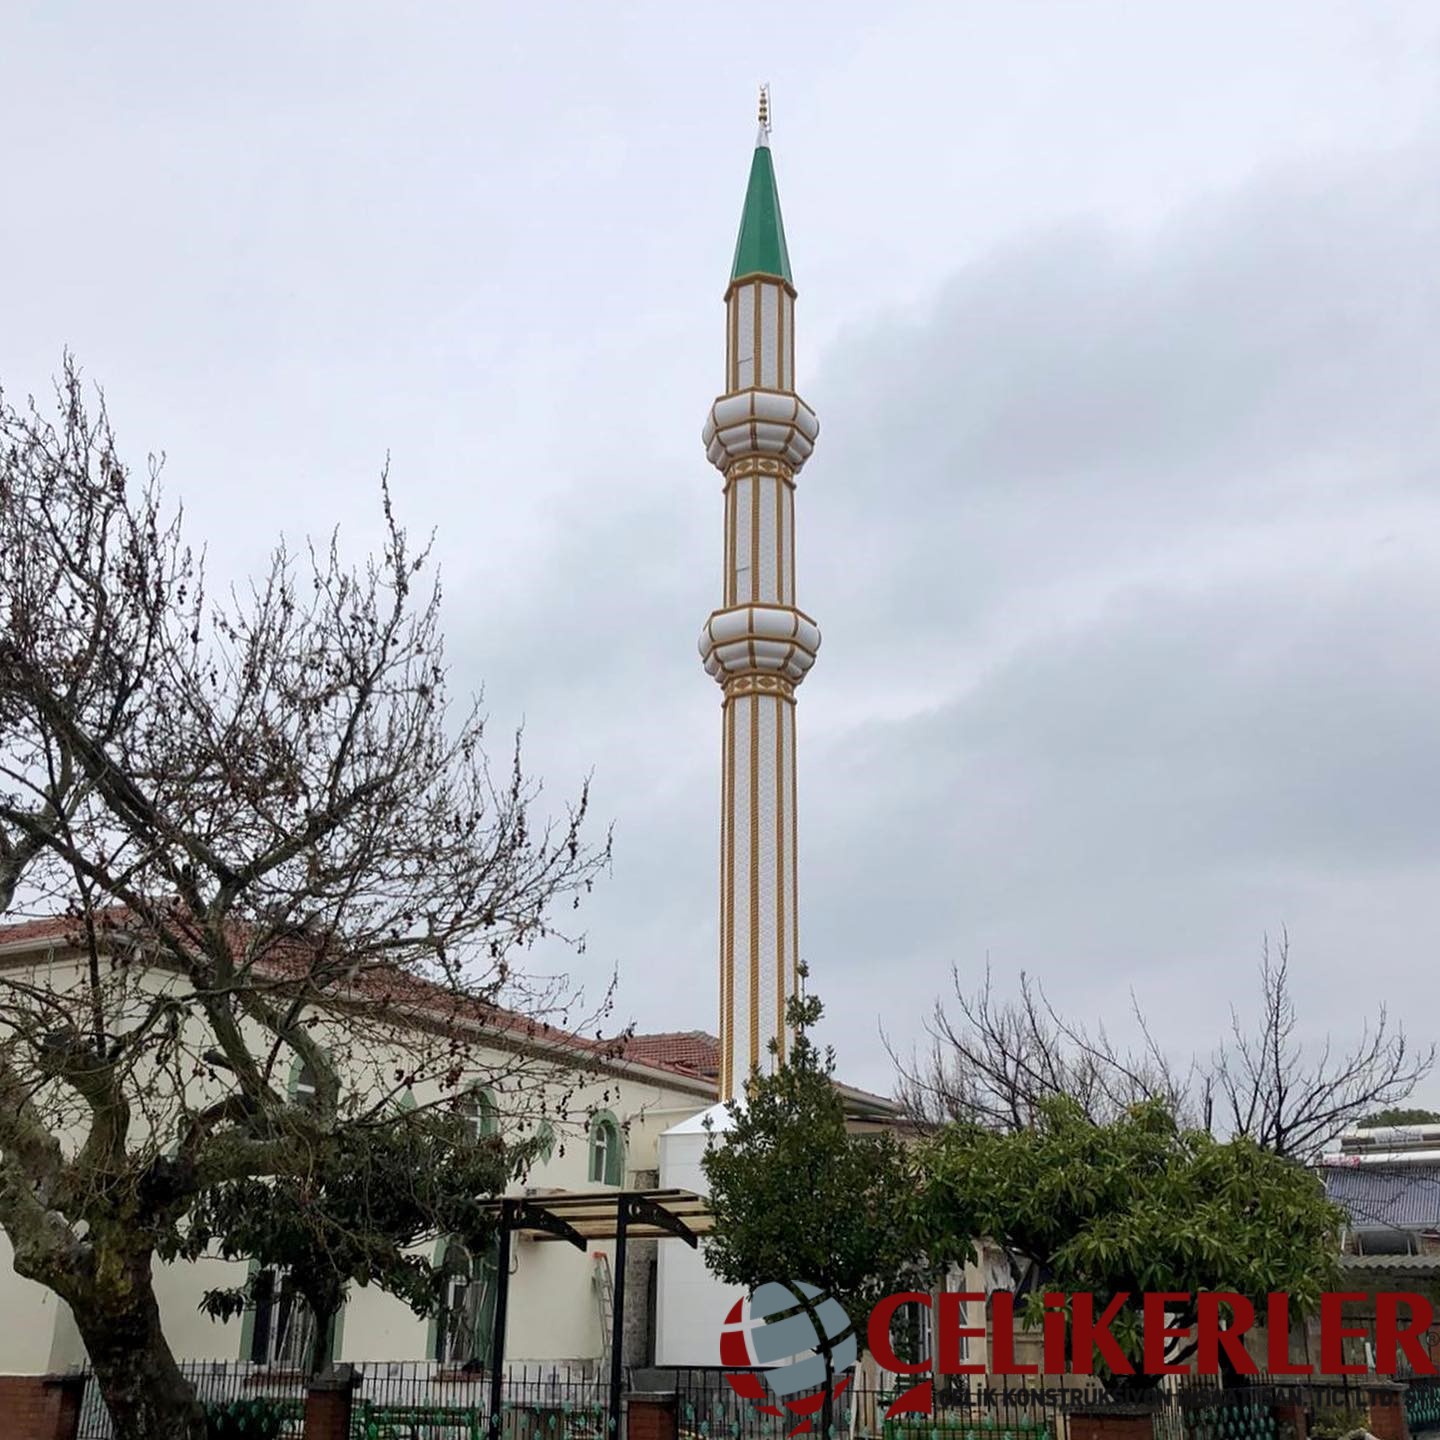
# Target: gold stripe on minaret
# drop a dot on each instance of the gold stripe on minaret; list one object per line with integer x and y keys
{"x": 754, "y": 886}
{"x": 780, "y": 716}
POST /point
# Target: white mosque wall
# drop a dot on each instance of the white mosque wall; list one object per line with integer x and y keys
{"x": 690, "y": 1300}
{"x": 553, "y": 1311}
{"x": 27, "y": 1345}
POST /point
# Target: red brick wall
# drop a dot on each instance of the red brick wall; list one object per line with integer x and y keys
{"x": 1102, "y": 1425}
{"x": 40, "y": 1407}
{"x": 1387, "y": 1413}
{"x": 327, "y": 1404}
{"x": 1293, "y": 1415}
{"x": 650, "y": 1417}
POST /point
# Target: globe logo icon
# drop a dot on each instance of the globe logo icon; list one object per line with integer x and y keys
{"x": 786, "y": 1328}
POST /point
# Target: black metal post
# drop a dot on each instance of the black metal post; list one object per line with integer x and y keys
{"x": 497, "y": 1339}
{"x": 617, "y": 1319}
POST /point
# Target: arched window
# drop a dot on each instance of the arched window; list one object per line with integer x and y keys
{"x": 477, "y": 1108}
{"x": 607, "y": 1152}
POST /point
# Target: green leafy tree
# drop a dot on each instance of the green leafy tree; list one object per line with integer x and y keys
{"x": 1134, "y": 1205}
{"x": 1399, "y": 1117}
{"x": 800, "y": 1196}
{"x": 359, "y": 1214}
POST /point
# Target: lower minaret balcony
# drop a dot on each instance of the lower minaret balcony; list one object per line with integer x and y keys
{"x": 760, "y": 641}
{"x": 760, "y": 422}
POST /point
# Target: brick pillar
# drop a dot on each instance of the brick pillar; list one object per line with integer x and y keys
{"x": 650, "y": 1417}
{"x": 1387, "y": 1410}
{"x": 1291, "y": 1413}
{"x": 40, "y": 1407}
{"x": 1113, "y": 1422}
{"x": 328, "y": 1401}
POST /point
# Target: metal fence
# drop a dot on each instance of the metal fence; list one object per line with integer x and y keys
{"x": 1422, "y": 1403}
{"x": 418, "y": 1400}
{"x": 236, "y": 1387}
{"x": 708, "y": 1408}
{"x": 1038, "y": 1408}
{"x": 425, "y": 1401}
{"x": 981, "y": 1408}
{"x": 1208, "y": 1411}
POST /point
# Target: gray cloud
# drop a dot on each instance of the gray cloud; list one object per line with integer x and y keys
{"x": 1122, "y": 325}
{"x": 1157, "y": 580}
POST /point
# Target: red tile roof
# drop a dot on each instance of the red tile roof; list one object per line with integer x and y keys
{"x": 60, "y": 929}
{"x": 404, "y": 988}
{"x": 693, "y": 1050}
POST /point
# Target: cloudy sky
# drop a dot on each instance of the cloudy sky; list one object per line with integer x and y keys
{"x": 1123, "y": 325}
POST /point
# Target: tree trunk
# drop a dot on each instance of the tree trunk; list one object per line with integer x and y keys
{"x": 147, "y": 1396}
{"x": 325, "y": 1312}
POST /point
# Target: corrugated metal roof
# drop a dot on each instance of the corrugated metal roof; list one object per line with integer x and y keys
{"x": 1404, "y": 1264}
{"x": 1387, "y": 1197}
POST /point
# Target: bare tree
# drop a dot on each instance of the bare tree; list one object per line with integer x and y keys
{"x": 992, "y": 1060}
{"x": 277, "y": 853}
{"x": 1295, "y": 1100}
{"x": 997, "y": 1058}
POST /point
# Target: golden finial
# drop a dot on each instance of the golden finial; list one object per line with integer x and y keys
{"x": 765, "y": 108}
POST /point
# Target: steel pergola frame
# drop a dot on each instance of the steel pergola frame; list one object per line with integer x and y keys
{"x": 577, "y": 1217}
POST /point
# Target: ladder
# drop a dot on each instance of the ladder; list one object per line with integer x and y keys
{"x": 605, "y": 1301}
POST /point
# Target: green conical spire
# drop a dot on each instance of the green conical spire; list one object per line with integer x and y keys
{"x": 760, "y": 250}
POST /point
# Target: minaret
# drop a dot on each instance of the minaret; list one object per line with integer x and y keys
{"x": 758, "y": 645}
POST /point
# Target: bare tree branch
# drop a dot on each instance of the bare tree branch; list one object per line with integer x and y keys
{"x": 991, "y": 1060}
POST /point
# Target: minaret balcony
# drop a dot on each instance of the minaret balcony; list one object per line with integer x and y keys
{"x": 759, "y": 640}
{"x": 760, "y": 422}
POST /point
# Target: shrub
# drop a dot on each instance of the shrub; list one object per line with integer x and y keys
{"x": 252, "y": 1419}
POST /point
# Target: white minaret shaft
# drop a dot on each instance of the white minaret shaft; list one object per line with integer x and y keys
{"x": 758, "y": 645}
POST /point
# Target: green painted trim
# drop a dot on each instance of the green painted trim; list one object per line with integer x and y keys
{"x": 545, "y": 1134}
{"x": 760, "y": 248}
{"x": 597, "y": 1119}
{"x": 297, "y": 1064}
{"x": 247, "y": 1317}
{"x": 432, "y": 1336}
{"x": 247, "y": 1321}
{"x": 489, "y": 1261}
{"x": 489, "y": 1107}
{"x": 337, "y": 1335}
{"x": 489, "y": 1113}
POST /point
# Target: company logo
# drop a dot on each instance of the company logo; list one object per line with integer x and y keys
{"x": 788, "y": 1329}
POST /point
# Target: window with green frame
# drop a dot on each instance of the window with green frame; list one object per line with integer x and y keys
{"x": 464, "y": 1327}
{"x": 303, "y": 1085}
{"x": 480, "y": 1113}
{"x": 278, "y": 1329}
{"x": 607, "y": 1150}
